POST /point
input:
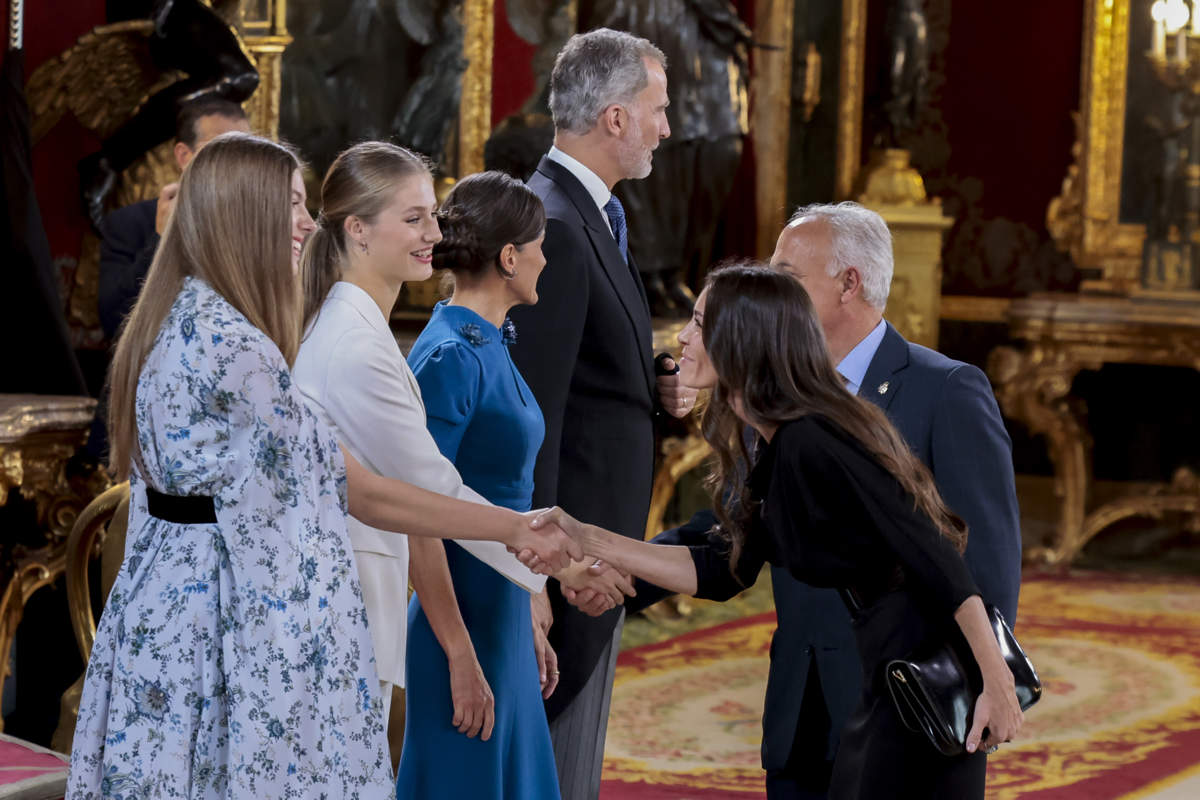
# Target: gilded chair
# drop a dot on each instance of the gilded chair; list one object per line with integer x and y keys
{"x": 98, "y": 531}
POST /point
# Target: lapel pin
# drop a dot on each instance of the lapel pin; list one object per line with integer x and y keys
{"x": 883, "y": 387}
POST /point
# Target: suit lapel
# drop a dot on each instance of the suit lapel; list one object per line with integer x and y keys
{"x": 884, "y": 375}
{"x": 622, "y": 276}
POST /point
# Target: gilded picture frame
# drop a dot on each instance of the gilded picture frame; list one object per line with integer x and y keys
{"x": 1085, "y": 218}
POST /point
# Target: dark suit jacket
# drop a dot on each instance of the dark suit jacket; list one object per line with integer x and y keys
{"x": 585, "y": 350}
{"x": 126, "y": 250}
{"x": 947, "y": 413}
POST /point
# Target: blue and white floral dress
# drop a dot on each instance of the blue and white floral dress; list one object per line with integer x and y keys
{"x": 232, "y": 659}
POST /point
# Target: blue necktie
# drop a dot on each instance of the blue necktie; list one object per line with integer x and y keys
{"x": 616, "y": 218}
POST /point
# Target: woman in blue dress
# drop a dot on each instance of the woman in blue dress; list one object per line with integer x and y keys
{"x": 484, "y": 419}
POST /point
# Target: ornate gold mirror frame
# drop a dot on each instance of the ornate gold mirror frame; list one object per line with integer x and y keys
{"x": 850, "y": 97}
{"x": 771, "y": 88}
{"x": 1085, "y": 218}
{"x": 475, "y": 107}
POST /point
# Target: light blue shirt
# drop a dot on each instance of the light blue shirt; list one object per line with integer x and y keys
{"x": 853, "y": 368}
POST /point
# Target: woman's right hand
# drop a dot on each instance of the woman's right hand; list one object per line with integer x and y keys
{"x": 474, "y": 705}
{"x": 997, "y": 713}
{"x": 543, "y": 544}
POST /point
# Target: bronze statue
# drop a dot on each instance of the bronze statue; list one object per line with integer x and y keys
{"x": 908, "y": 69}
{"x": 188, "y": 37}
{"x": 1172, "y": 131}
{"x": 359, "y": 69}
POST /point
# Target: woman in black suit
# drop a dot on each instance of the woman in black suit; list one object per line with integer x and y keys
{"x": 836, "y": 497}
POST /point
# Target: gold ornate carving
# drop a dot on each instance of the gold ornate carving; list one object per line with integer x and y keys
{"x": 679, "y": 456}
{"x": 265, "y": 39}
{"x": 891, "y": 179}
{"x": 895, "y": 190}
{"x": 771, "y": 89}
{"x": 1085, "y": 219}
{"x": 101, "y": 80}
{"x": 1066, "y": 334}
{"x": 100, "y": 528}
{"x": 475, "y": 108}
{"x": 1064, "y": 215}
{"x": 971, "y": 308}
{"x": 811, "y": 97}
{"x": 850, "y": 97}
{"x": 38, "y": 433}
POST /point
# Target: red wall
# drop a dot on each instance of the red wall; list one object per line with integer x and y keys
{"x": 512, "y": 72}
{"x": 50, "y": 28}
{"x": 1013, "y": 81}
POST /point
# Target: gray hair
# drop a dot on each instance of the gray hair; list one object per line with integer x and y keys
{"x": 859, "y": 238}
{"x": 595, "y": 70}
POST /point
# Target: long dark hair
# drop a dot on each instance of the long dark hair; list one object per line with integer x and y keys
{"x": 361, "y": 181}
{"x": 767, "y": 347}
{"x": 483, "y": 213}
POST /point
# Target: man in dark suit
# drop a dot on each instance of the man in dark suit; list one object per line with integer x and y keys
{"x": 130, "y": 234}
{"x": 585, "y": 350}
{"x": 945, "y": 410}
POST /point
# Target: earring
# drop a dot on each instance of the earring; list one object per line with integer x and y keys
{"x": 508, "y": 275}
{"x": 363, "y": 245}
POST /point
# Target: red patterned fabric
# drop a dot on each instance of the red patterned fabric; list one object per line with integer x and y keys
{"x": 30, "y": 772}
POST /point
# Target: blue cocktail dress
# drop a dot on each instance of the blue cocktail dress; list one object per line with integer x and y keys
{"x": 484, "y": 419}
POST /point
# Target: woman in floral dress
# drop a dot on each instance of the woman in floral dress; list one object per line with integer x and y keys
{"x": 232, "y": 658}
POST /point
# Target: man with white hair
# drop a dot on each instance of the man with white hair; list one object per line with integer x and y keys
{"x": 947, "y": 413}
{"x": 585, "y": 350}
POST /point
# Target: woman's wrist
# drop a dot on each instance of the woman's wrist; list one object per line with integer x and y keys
{"x": 595, "y": 544}
{"x": 460, "y": 651}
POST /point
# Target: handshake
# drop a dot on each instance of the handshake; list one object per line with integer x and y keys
{"x": 556, "y": 544}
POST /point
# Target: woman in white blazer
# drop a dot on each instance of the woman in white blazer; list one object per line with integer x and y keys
{"x": 377, "y": 230}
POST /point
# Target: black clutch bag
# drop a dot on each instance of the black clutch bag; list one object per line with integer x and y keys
{"x": 935, "y": 691}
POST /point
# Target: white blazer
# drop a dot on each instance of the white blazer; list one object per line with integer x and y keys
{"x": 354, "y": 377}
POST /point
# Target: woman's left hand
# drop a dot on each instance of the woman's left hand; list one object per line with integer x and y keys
{"x": 997, "y": 713}
{"x": 547, "y": 661}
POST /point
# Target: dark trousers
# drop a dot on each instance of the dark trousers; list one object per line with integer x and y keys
{"x": 806, "y": 774}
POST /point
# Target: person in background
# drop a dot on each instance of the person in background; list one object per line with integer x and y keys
{"x": 130, "y": 235}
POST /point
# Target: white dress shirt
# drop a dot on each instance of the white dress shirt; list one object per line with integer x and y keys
{"x": 592, "y": 182}
{"x": 354, "y": 378}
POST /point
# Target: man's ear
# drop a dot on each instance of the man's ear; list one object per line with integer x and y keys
{"x": 183, "y": 154}
{"x": 613, "y": 119}
{"x": 851, "y": 283}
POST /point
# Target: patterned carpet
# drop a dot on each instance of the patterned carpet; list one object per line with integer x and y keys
{"x": 1119, "y": 657}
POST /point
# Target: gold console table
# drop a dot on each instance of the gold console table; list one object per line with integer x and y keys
{"x": 1062, "y": 335}
{"x": 38, "y": 434}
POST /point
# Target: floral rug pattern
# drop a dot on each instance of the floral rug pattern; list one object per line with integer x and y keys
{"x": 1119, "y": 658}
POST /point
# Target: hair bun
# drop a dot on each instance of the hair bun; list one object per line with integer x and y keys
{"x": 459, "y": 246}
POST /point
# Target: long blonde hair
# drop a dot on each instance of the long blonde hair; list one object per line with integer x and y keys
{"x": 361, "y": 181}
{"x": 229, "y": 228}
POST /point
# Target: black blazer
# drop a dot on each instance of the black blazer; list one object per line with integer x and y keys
{"x": 947, "y": 413}
{"x": 586, "y": 351}
{"x": 127, "y": 247}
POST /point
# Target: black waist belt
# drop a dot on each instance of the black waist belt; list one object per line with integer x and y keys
{"x": 195, "y": 509}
